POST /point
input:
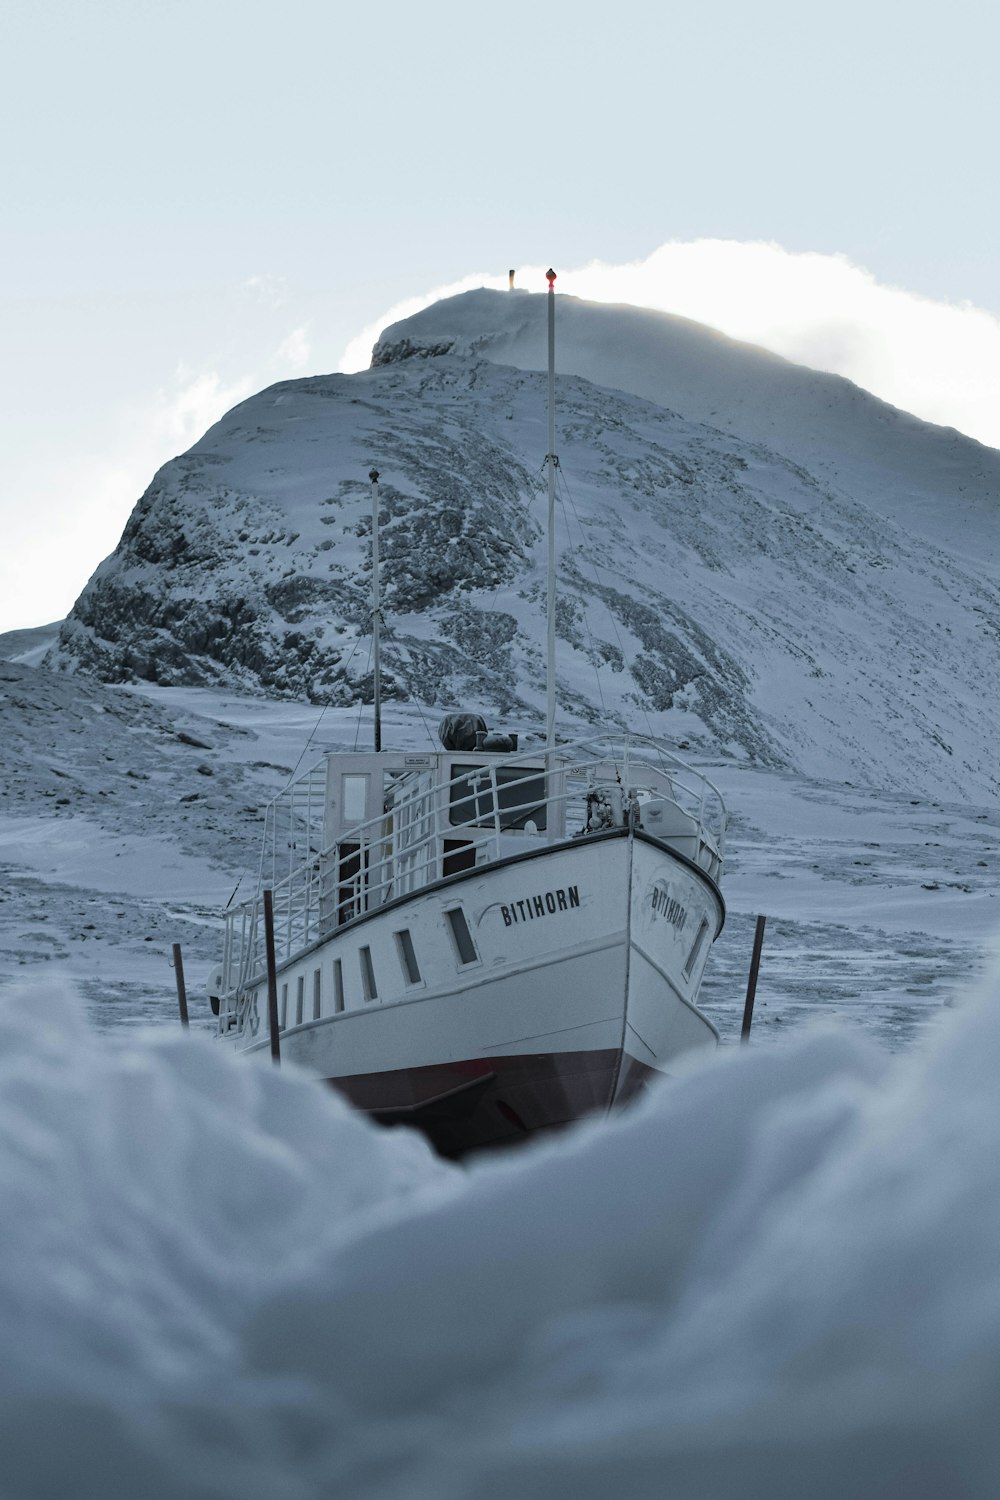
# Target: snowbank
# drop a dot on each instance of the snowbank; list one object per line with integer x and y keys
{"x": 778, "y": 1277}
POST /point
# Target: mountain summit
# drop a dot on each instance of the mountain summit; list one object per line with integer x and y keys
{"x": 755, "y": 559}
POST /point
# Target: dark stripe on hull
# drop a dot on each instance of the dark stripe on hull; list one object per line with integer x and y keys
{"x": 497, "y": 1101}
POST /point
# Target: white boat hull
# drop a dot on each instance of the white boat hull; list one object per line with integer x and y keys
{"x": 578, "y": 982}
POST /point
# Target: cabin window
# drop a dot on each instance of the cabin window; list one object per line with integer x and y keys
{"x": 300, "y": 995}
{"x": 407, "y": 957}
{"x": 350, "y": 881}
{"x": 461, "y": 936}
{"x": 368, "y": 975}
{"x": 317, "y": 993}
{"x": 520, "y": 797}
{"x": 459, "y": 855}
{"x": 284, "y": 1008}
{"x": 696, "y": 948}
{"x": 338, "y": 986}
{"x": 353, "y": 798}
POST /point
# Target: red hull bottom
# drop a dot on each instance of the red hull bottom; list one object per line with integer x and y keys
{"x": 497, "y": 1101}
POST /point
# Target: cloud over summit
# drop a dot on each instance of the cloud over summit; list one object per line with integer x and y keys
{"x": 939, "y": 360}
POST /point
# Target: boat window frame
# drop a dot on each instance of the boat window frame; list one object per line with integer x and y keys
{"x": 412, "y": 976}
{"x": 369, "y": 987}
{"x": 350, "y": 783}
{"x": 480, "y": 801}
{"x": 457, "y": 911}
{"x": 696, "y": 948}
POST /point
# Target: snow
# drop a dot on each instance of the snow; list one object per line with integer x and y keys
{"x": 900, "y": 466}
{"x": 880, "y": 905}
{"x": 776, "y": 1276}
{"x": 738, "y": 588}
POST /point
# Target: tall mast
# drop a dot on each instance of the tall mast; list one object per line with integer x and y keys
{"x": 376, "y": 613}
{"x": 552, "y": 462}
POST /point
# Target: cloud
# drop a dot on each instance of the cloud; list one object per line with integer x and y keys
{"x": 295, "y": 349}
{"x": 939, "y": 360}
{"x": 272, "y": 291}
{"x": 75, "y": 507}
{"x": 358, "y": 354}
{"x": 181, "y": 414}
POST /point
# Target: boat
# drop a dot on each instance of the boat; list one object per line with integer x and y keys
{"x": 485, "y": 940}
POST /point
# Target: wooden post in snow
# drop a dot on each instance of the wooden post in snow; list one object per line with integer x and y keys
{"x": 182, "y": 1002}
{"x": 758, "y": 943}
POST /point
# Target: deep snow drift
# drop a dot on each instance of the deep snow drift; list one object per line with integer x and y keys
{"x": 777, "y": 1276}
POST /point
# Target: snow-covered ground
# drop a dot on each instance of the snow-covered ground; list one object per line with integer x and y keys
{"x": 130, "y": 816}
{"x": 775, "y": 1278}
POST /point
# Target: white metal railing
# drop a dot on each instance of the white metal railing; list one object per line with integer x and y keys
{"x": 574, "y": 790}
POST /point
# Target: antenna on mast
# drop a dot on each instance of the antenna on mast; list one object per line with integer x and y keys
{"x": 553, "y": 463}
{"x": 376, "y": 613}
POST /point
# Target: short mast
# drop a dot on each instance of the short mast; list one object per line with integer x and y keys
{"x": 552, "y": 462}
{"x": 376, "y": 613}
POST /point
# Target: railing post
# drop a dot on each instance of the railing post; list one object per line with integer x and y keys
{"x": 272, "y": 979}
{"x": 495, "y": 793}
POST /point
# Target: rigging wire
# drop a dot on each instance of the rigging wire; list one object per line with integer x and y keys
{"x": 611, "y": 615}
{"x": 315, "y": 729}
{"x": 302, "y": 755}
{"x": 361, "y": 706}
{"x": 586, "y": 612}
{"x": 390, "y": 634}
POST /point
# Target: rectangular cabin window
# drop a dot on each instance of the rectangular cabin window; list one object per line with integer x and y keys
{"x": 353, "y": 798}
{"x": 407, "y": 957}
{"x": 461, "y": 936}
{"x": 352, "y": 871}
{"x": 696, "y": 948}
{"x": 520, "y": 797}
{"x": 317, "y": 993}
{"x": 368, "y": 975}
{"x": 338, "y": 986}
{"x": 283, "y": 1022}
{"x": 459, "y": 855}
{"x": 300, "y": 995}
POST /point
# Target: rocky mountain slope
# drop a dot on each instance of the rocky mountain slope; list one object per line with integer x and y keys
{"x": 826, "y": 603}
{"x": 936, "y": 482}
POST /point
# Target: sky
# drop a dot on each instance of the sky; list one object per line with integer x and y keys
{"x": 200, "y": 199}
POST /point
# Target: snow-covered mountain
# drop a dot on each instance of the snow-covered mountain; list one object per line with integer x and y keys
{"x": 789, "y": 571}
{"x": 937, "y": 483}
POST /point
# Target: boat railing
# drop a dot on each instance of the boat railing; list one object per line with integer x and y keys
{"x": 433, "y": 828}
